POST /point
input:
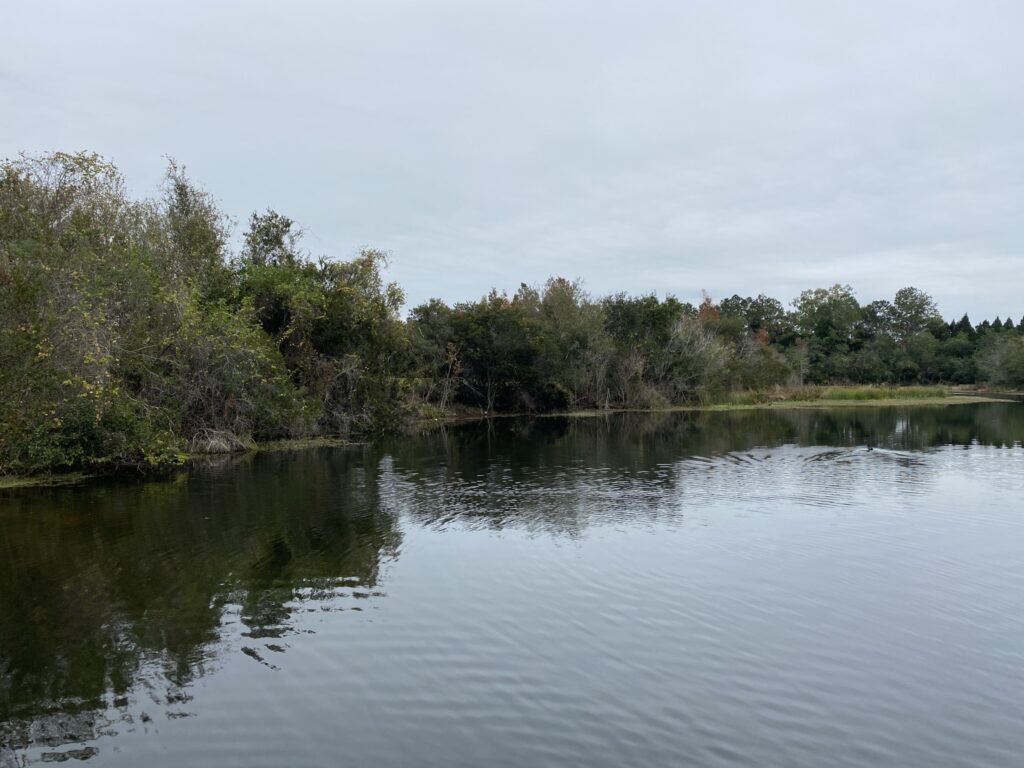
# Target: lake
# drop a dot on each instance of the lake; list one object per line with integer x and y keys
{"x": 838, "y": 587}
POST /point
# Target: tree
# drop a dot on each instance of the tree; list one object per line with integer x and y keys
{"x": 877, "y": 319}
{"x": 1002, "y": 364}
{"x": 694, "y": 362}
{"x": 826, "y": 312}
{"x": 271, "y": 240}
{"x": 768, "y": 314}
{"x": 642, "y": 329}
{"x": 116, "y": 353}
{"x": 360, "y": 345}
{"x": 964, "y": 327}
{"x": 912, "y": 309}
{"x": 132, "y": 334}
{"x": 434, "y": 351}
{"x": 735, "y": 306}
{"x": 197, "y": 232}
{"x": 827, "y": 317}
{"x": 497, "y": 356}
{"x": 574, "y": 349}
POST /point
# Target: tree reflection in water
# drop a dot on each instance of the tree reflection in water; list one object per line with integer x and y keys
{"x": 115, "y": 597}
{"x": 122, "y": 587}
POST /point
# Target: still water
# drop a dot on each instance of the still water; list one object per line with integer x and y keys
{"x": 715, "y": 589}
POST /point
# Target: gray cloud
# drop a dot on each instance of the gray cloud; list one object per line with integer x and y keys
{"x": 677, "y": 146}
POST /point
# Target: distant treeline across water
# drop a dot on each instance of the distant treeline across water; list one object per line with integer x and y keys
{"x": 132, "y": 334}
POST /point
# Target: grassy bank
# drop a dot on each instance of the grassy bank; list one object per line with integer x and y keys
{"x": 879, "y": 402}
{"x": 836, "y": 394}
{"x": 829, "y": 397}
{"x": 950, "y": 400}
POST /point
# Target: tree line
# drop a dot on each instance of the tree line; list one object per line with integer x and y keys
{"x": 133, "y": 335}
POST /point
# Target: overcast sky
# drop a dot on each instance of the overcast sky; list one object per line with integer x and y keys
{"x": 736, "y": 147}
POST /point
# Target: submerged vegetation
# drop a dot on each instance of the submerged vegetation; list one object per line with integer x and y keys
{"x": 132, "y": 335}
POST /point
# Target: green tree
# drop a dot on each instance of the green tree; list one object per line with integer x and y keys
{"x": 827, "y": 318}
{"x": 912, "y": 309}
{"x": 497, "y": 355}
{"x": 826, "y": 313}
{"x": 197, "y": 235}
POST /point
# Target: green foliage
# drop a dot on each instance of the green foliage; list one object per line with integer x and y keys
{"x": 495, "y": 340}
{"x": 910, "y": 313}
{"x": 129, "y": 338}
{"x": 361, "y": 345}
{"x": 197, "y": 234}
{"x": 1002, "y": 362}
{"x": 827, "y": 313}
{"x": 881, "y": 393}
{"x": 76, "y": 274}
{"x": 131, "y": 335}
{"x": 224, "y": 379}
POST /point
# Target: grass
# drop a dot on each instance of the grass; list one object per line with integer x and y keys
{"x": 883, "y": 393}
{"x": 837, "y": 396}
{"x": 808, "y": 394}
{"x": 820, "y": 397}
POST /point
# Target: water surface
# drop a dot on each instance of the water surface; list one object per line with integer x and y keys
{"x": 718, "y": 589}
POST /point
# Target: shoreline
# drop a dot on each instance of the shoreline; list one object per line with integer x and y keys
{"x": 819, "y": 403}
{"x": 57, "y": 479}
{"x": 12, "y": 482}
